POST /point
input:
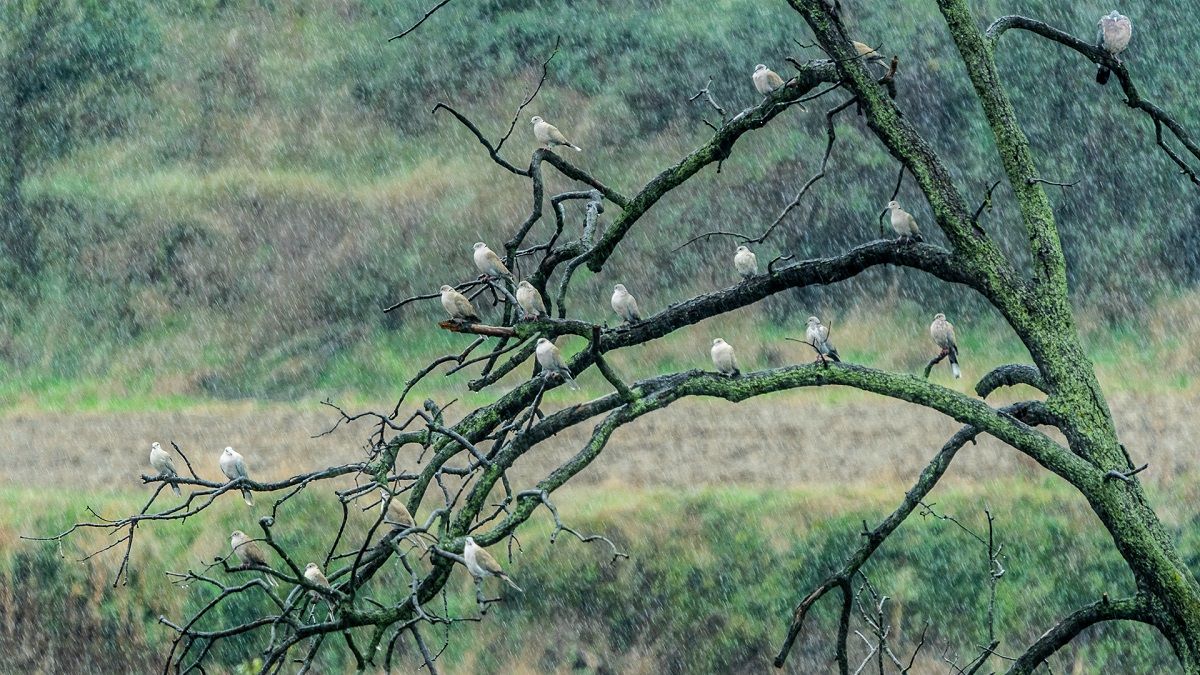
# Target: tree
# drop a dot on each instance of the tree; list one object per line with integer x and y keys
{"x": 65, "y": 66}
{"x": 466, "y": 461}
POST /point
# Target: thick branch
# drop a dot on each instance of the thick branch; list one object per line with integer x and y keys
{"x": 1136, "y": 608}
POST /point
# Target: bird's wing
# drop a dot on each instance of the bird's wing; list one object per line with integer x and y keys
{"x": 486, "y": 562}
{"x": 823, "y": 332}
{"x": 463, "y": 306}
{"x": 494, "y": 259}
{"x": 556, "y": 135}
{"x": 950, "y": 334}
{"x": 774, "y": 79}
{"x": 239, "y": 467}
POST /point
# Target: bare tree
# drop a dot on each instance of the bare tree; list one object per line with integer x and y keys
{"x": 466, "y": 462}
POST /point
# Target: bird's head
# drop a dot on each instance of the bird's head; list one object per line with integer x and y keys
{"x": 469, "y": 541}
{"x": 742, "y": 249}
{"x": 535, "y": 119}
{"x": 155, "y": 446}
{"x": 893, "y": 205}
{"x": 939, "y": 317}
{"x": 542, "y": 341}
{"x": 620, "y": 288}
{"x": 813, "y": 321}
{"x": 446, "y": 288}
{"x": 238, "y": 534}
{"x": 479, "y": 245}
{"x": 310, "y": 567}
{"x": 525, "y": 284}
{"x": 718, "y": 341}
{"x": 228, "y": 451}
{"x": 761, "y": 66}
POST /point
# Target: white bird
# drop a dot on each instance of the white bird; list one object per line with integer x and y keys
{"x": 481, "y": 564}
{"x": 249, "y": 553}
{"x": 551, "y": 361}
{"x": 530, "y": 301}
{"x": 625, "y": 305}
{"x": 315, "y": 576}
{"x": 869, "y": 55}
{"x": 549, "y": 135}
{"x": 903, "y": 222}
{"x": 234, "y": 467}
{"x": 745, "y": 262}
{"x": 163, "y": 464}
{"x": 817, "y": 335}
{"x": 489, "y": 263}
{"x": 394, "y": 511}
{"x": 724, "y": 359}
{"x": 457, "y": 305}
{"x": 942, "y": 332}
{"x": 766, "y": 80}
{"x": 1112, "y": 35}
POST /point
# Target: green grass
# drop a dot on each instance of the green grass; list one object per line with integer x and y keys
{"x": 726, "y": 565}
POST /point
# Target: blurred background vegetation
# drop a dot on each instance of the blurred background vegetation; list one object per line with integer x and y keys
{"x": 218, "y": 197}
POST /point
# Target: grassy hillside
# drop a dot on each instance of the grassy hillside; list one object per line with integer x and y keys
{"x": 279, "y": 179}
{"x": 711, "y": 581}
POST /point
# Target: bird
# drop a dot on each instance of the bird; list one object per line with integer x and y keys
{"x": 161, "y": 461}
{"x": 550, "y": 135}
{"x": 551, "y": 361}
{"x": 1112, "y": 35}
{"x": 817, "y": 335}
{"x": 724, "y": 359}
{"x": 530, "y": 301}
{"x": 394, "y": 511}
{"x": 766, "y": 80}
{"x": 745, "y": 262}
{"x": 903, "y": 222}
{"x": 457, "y": 305}
{"x": 625, "y": 305}
{"x": 249, "y": 553}
{"x": 942, "y": 332}
{"x": 866, "y": 52}
{"x": 234, "y": 467}
{"x": 489, "y": 263}
{"x": 315, "y": 576}
{"x": 481, "y": 564}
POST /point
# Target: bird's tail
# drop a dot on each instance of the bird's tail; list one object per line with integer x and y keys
{"x": 954, "y": 364}
{"x": 574, "y": 147}
{"x": 248, "y": 496}
{"x": 175, "y": 489}
{"x": 735, "y": 373}
{"x": 271, "y": 580}
{"x": 1102, "y": 75}
{"x": 510, "y": 583}
{"x": 570, "y": 382}
{"x": 833, "y": 355}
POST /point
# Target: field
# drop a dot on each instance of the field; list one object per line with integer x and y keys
{"x": 727, "y": 512}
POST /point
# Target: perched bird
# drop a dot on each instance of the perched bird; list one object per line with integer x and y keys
{"x": 394, "y": 511}
{"x": 549, "y": 134}
{"x": 724, "y": 359}
{"x": 942, "y": 332}
{"x": 625, "y": 305}
{"x": 315, "y": 576}
{"x": 234, "y": 467}
{"x": 551, "y": 361}
{"x": 817, "y": 335}
{"x": 489, "y": 263}
{"x": 766, "y": 80}
{"x": 162, "y": 463}
{"x": 530, "y": 301}
{"x": 481, "y": 564}
{"x": 869, "y": 55}
{"x": 1112, "y": 35}
{"x": 457, "y": 305}
{"x": 745, "y": 262}
{"x": 249, "y": 553}
{"x": 903, "y": 222}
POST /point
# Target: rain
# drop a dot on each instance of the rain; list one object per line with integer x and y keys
{"x": 243, "y": 233}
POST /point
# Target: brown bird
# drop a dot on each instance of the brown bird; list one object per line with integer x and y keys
{"x": 249, "y": 553}
{"x": 162, "y": 462}
{"x": 481, "y": 564}
{"x": 530, "y": 301}
{"x": 869, "y": 55}
{"x": 315, "y": 576}
{"x": 394, "y": 511}
{"x": 766, "y": 80}
{"x": 942, "y": 332}
{"x": 457, "y": 305}
{"x": 549, "y": 135}
{"x": 724, "y": 358}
